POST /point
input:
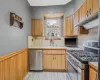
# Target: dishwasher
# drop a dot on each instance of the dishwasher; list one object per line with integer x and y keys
{"x": 35, "y": 60}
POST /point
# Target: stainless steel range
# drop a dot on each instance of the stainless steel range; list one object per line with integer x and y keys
{"x": 78, "y": 68}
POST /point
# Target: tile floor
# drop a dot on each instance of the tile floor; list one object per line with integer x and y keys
{"x": 47, "y": 76}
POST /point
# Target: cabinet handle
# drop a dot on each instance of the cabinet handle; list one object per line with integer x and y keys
{"x": 55, "y": 57}
{"x": 87, "y": 13}
{"x": 90, "y": 11}
{"x": 97, "y": 76}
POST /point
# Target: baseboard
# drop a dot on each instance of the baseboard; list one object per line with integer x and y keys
{"x": 56, "y": 70}
{"x": 24, "y": 76}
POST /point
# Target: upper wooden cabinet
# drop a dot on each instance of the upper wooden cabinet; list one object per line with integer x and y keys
{"x": 37, "y": 27}
{"x": 95, "y": 6}
{"x": 76, "y": 18}
{"x": 82, "y": 12}
{"x": 89, "y": 8}
{"x": 79, "y": 29}
{"x": 69, "y": 26}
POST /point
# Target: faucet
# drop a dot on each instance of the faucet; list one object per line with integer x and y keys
{"x": 51, "y": 42}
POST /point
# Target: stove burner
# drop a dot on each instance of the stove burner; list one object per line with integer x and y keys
{"x": 84, "y": 55}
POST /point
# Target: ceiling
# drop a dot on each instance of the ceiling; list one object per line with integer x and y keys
{"x": 47, "y": 2}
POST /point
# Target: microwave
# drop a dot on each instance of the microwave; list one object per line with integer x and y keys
{"x": 71, "y": 42}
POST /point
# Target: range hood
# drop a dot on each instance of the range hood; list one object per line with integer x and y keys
{"x": 90, "y": 22}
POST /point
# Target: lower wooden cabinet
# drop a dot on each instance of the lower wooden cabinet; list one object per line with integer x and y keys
{"x": 47, "y": 61}
{"x": 53, "y": 61}
{"x": 93, "y": 75}
{"x": 93, "y": 72}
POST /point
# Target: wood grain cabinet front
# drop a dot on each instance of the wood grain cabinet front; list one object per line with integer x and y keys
{"x": 37, "y": 27}
{"x": 93, "y": 75}
{"x": 95, "y": 6}
{"x": 69, "y": 26}
{"x": 55, "y": 61}
{"x": 89, "y": 8}
{"x": 78, "y": 17}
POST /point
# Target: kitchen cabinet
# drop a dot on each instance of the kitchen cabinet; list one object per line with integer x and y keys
{"x": 95, "y": 6}
{"x": 37, "y": 27}
{"x": 47, "y": 61}
{"x": 89, "y": 8}
{"x": 82, "y": 30}
{"x": 76, "y": 17}
{"x": 79, "y": 29}
{"x": 54, "y": 60}
{"x": 69, "y": 26}
{"x": 63, "y": 62}
{"x": 82, "y": 12}
{"x": 67, "y": 29}
{"x": 93, "y": 75}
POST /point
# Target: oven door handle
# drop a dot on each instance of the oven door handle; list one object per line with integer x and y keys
{"x": 77, "y": 68}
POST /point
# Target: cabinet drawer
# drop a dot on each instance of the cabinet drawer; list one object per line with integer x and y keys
{"x": 54, "y": 52}
{"x": 47, "y": 52}
{"x": 58, "y": 52}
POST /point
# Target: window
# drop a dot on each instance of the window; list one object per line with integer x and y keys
{"x": 53, "y": 28}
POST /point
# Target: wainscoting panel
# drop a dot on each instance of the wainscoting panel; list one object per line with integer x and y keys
{"x": 14, "y": 66}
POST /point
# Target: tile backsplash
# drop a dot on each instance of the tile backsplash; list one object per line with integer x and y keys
{"x": 93, "y": 35}
{"x": 41, "y": 42}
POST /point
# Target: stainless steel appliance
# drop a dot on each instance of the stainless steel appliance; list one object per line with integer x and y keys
{"x": 78, "y": 63}
{"x": 35, "y": 60}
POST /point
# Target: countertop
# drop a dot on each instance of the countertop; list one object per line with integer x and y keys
{"x": 47, "y": 48}
{"x": 94, "y": 65}
{"x": 56, "y": 47}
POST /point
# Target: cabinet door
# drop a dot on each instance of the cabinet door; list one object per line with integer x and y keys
{"x": 67, "y": 28}
{"x": 59, "y": 62}
{"x": 89, "y": 8}
{"x": 63, "y": 62}
{"x": 83, "y": 13}
{"x": 47, "y": 62}
{"x": 72, "y": 25}
{"x": 76, "y": 18}
{"x": 54, "y": 62}
{"x": 37, "y": 27}
{"x": 92, "y": 74}
{"x": 95, "y": 6}
{"x": 76, "y": 21}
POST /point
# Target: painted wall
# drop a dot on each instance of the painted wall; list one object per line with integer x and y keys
{"x": 77, "y": 4}
{"x": 13, "y": 38}
{"x": 69, "y": 8}
{"x": 39, "y": 11}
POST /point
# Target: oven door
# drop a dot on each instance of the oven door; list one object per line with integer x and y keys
{"x": 73, "y": 74}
